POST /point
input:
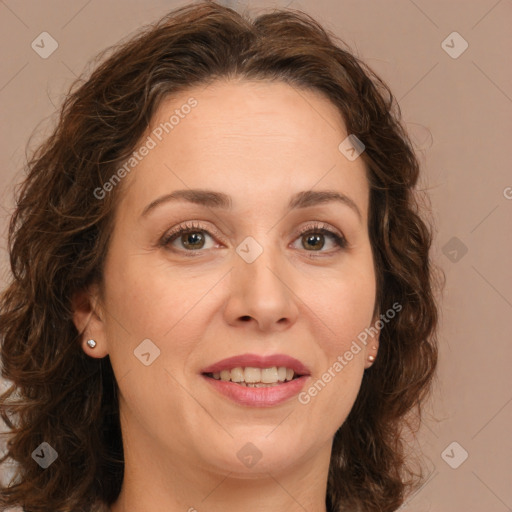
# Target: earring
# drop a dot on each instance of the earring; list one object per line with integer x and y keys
{"x": 91, "y": 343}
{"x": 371, "y": 359}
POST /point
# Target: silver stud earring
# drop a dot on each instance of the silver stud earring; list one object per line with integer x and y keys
{"x": 91, "y": 343}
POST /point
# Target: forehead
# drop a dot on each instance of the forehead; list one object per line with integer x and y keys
{"x": 261, "y": 112}
{"x": 246, "y": 138}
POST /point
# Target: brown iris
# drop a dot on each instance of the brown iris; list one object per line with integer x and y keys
{"x": 314, "y": 239}
{"x": 191, "y": 239}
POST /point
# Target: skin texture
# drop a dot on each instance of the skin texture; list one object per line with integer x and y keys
{"x": 259, "y": 142}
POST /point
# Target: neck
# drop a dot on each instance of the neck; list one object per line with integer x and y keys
{"x": 225, "y": 493}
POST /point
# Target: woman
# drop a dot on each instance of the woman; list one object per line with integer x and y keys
{"x": 222, "y": 297}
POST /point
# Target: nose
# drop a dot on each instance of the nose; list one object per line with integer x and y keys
{"x": 261, "y": 293}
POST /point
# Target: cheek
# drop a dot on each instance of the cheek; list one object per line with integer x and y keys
{"x": 346, "y": 305}
{"x": 147, "y": 301}
{"x": 346, "y": 309}
{"x": 150, "y": 298}
{"x": 349, "y": 313}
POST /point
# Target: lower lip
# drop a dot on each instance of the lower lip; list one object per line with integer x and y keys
{"x": 259, "y": 397}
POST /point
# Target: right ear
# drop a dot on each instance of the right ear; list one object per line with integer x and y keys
{"x": 89, "y": 320}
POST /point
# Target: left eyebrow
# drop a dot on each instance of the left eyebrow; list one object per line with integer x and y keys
{"x": 314, "y": 198}
{"x": 213, "y": 199}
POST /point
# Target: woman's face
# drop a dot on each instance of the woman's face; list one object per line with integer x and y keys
{"x": 244, "y": 282}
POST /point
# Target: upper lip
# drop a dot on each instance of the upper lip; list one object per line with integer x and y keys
{"x": 258, "y": 361}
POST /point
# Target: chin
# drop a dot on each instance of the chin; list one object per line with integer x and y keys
{"x": 257, "y": 455}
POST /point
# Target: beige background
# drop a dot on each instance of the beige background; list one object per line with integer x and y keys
{"x": 459, "y": 113}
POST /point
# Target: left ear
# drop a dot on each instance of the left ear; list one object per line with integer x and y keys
{"x": 372, "y": 345}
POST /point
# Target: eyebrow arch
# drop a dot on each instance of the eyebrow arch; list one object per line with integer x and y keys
{"x": 212, "y": 199}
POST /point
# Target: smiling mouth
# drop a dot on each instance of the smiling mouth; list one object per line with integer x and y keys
{"x": 253, "y": 377}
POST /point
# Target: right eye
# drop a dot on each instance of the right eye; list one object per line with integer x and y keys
{"x": 190, "y": 236}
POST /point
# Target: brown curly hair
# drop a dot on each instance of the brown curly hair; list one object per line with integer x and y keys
{"x": 59, "y": 236}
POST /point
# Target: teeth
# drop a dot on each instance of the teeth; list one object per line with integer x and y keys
{"x": 255, "y": 377}
{"x": 252, "y": 374}
{"x": 237, "y": 374}
{"x": 269, "y": 375}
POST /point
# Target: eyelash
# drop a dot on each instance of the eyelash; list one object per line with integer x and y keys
{"x": 314, "y": 228}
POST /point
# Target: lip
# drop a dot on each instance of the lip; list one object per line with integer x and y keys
{"x": 259, "y": 361}
{"x": 258, "y": 397}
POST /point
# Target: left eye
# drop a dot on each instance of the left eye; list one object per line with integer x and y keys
{"x": 315, "y": 237}
{"x": 193, "y": 238}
